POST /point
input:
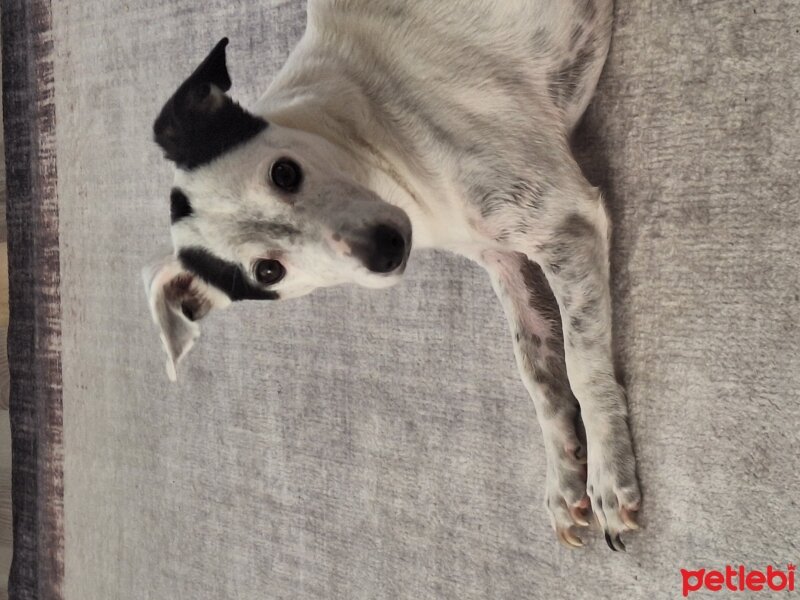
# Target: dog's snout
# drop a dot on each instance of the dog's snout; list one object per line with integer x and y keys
{"x": 386, "y": 249}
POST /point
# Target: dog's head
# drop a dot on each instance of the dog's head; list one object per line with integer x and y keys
{"x": 258, "y": 211}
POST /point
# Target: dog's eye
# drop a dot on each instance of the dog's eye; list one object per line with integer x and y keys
{"x": 269, "y": 272}
{"x": 286, "y": 174}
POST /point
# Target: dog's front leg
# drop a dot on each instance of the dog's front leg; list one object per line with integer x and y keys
{"x": 576, "y": 263}
{"x": 534, "y": 319}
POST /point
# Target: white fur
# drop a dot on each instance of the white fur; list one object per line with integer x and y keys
{"x": 455, "y": 117}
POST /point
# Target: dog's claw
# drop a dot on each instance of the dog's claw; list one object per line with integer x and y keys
{"x": 609, "y": 542}
{"x": 617, "y": 545}
{"x": 629, "y": 519}
{"x": 569, "y": 539}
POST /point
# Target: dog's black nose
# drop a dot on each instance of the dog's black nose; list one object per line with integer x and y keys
{"x": 387, "y": 249}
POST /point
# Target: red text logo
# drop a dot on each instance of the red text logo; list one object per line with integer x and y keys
{"x": 738, "y": 580}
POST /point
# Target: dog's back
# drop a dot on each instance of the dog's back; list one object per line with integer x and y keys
{"x": 509, "y": 50}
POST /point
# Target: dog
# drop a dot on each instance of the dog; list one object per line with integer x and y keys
{"x": 421, "y": 123}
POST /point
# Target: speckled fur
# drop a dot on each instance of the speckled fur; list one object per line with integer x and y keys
{"x": 450, "y": 119}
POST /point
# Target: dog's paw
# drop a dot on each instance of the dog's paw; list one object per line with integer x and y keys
{"x": 565, "y": 498}
{"x": 614, "y": 490}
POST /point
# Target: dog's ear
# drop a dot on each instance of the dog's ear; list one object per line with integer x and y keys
{"x": 177, "y": 301}
{"x": 200, "y": 122}
{"x": 213, "y": 69}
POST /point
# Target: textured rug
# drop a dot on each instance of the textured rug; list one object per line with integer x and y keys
{"x": 363, "y": 445}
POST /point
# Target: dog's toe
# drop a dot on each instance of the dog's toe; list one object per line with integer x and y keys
{"x": 567, "y": 519}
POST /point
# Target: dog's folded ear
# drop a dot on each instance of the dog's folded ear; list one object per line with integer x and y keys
{"x": 177, "y": 301}
{"x": 200, "y": 122}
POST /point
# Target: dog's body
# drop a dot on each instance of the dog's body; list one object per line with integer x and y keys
{"x": 450, "y": 120}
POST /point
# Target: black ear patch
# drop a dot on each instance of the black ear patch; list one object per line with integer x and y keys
{"x": 179, "y": 206}
{"x": 200, "y": 122}
{"x": 223, "y": 275}
{"x": 213, "y": 69}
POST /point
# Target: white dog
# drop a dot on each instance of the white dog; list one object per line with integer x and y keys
{"x": 448, "y": 120}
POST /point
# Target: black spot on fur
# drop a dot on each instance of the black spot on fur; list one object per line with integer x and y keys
{"x": 540, "y": 41}
{"x": 557, "y": 367}
{"x": 564, "y": 83}
{"x": 571, "y": 251}
{"x": 588, "y": 9}
{"x": 577, "y": 325}
{"x": 179, "y": 206}
{"x": 540, "y": 296}
{"x": 576, "y": 226}
{"x": 282, "y": 230}
{"x": 248, "y": 230}
{"x": 556, "y": 344}
{"x": 517, "y": 193}
{"x": 226, "y": 276}
{"x": 591, "y": 308}
{"x": 199, "y": 122}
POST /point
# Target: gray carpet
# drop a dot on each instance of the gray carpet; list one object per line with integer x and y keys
{"x": 364, "y": 445}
